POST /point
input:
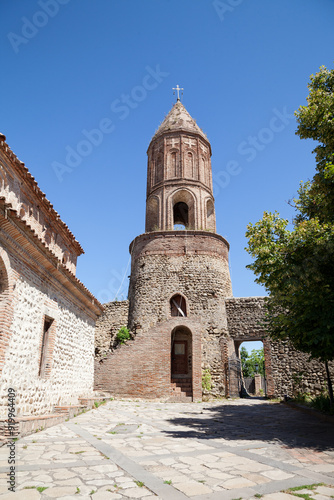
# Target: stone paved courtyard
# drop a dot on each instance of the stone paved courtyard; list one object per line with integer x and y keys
{"x": 134, "y": 449}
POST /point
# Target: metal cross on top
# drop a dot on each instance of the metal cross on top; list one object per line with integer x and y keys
{"x": 177, "y": 88}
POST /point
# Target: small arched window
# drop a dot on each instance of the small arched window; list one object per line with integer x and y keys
{"x": 152, "y": 214}
{"x": 159, "y": 169}
{"x": 178, "y": 306}
{"x": 189, "y": 166}
{"x": 210, "y": 216}
{"x": 172, "y": 164}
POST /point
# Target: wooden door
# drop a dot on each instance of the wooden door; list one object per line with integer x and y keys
{"x": 180, "y": 357}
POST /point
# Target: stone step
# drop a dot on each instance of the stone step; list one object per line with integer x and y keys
{"x": 180, "y": 398}
{"x": 89, "y": 402}
{"x": 28, "y": 424}
{"x": 184, "y": 386}
{"x": 69, "y": 411}
{"x": 181, "y": 388}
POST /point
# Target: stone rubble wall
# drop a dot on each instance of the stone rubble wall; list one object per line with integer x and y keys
{"x": 195, "y": 265}
{"x": 115, "y": 316}
{"x": 294, "y": 373}
{"x": 288, "y": 371}
{"x": 34, "y": 294}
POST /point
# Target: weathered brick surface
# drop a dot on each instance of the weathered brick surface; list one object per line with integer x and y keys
{"x": 70, "y": 365}
{"x": 194, "y": 265}
{"x": 142, "y": 367}
{"x": 30, "y": 205}
{"x": 179, "y": 170}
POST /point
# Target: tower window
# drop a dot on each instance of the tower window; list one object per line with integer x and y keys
{"x": 152, "y": 214}
{"x": 159, "y": 169}
{"x": 178, "y": 306}
{"x": 210, "y": 216}
{"x": 173, "y": 168}
{"x": 180, "y": 214}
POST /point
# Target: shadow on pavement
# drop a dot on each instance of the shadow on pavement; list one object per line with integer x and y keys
{"x": 270, "y": 423}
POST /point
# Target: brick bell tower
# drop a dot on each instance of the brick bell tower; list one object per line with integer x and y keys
{"x": 179, "y": 179}
{"x": 179, "y": 270}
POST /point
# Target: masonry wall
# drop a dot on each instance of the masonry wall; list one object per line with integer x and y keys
{"x": 141, "y": 367}
{"x": 34, "y": 294}
{"x": 115, "y": 316}
{"x": 294, "y": 373}
{"x": 194, "y": 264}
{"x": 288, "y": 371}
{"x": 191, "y": 263}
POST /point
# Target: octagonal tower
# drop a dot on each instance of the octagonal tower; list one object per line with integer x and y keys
{"x": 179, "y": 179}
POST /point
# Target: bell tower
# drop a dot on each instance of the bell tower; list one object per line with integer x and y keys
{"x": 179, "y": 269}
{"x": 179, "y": 178}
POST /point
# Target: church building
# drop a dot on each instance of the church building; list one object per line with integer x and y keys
{"x": 47, "y": 316}
{"x": 186, "y": 326}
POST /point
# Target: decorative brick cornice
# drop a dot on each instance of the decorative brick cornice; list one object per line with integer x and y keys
{"x": 19, "y": 231}
{"x": 155, "y": 235}
{"x": 23, "y": 173}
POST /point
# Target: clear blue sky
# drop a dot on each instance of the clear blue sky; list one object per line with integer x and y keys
{"x": 68, "y": 64}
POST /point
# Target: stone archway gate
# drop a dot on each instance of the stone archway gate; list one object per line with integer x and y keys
{"x": 245, "y": 322}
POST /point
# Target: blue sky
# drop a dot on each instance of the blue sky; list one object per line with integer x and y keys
{"x": 69, "y": 65}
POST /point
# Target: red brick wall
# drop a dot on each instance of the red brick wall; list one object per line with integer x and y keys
{"x": 179, "y": 243}
{"x": 141, "y": 368}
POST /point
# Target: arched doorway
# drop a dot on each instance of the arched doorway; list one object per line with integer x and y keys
{"x": 181, "y": 359}
{"x": 246, "y": 369}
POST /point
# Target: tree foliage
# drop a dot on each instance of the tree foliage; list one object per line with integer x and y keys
{"x": 297, "y": 269}
{"x": 316, "y": 121}
{"x": 248, "y": 362}
{"x": 297, "y": 266}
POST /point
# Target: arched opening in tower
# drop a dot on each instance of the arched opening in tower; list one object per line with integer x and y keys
{"x": 178, "y": 306}
{"x": 180, "y": 215}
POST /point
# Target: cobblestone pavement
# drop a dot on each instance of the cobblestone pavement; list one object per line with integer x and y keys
{"x": 229, "y": 449}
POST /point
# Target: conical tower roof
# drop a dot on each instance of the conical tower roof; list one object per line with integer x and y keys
{"x": 178, "y": 119}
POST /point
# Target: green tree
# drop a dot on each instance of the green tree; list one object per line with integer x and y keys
{"x": 249, "y": 362}
{"x": 316, "y": 121}
{"x": 297, "y": 266}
